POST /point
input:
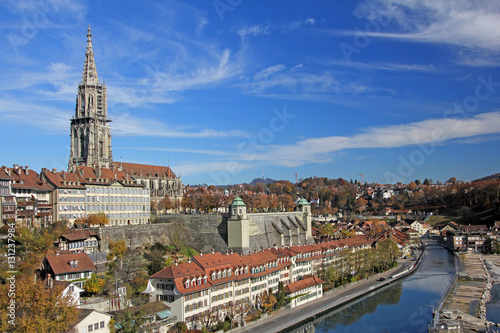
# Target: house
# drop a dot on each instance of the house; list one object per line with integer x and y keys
{"x": 413, "y": 235}
{"x": 401, "y": 239}
{"x": 305, "y": 290}
{"x": 79, "y": 240}
{"x": 71, "y": 289}
{"x": 69, "y": 267}
{"x": 423, "y": 228}
{"x": 156, "y": 317}
{"x": 90, "y": 321}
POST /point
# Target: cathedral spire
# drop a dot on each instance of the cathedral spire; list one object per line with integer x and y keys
{"x": 89, "y": 70}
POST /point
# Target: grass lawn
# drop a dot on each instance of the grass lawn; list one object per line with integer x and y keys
{"x": 440, "y": 220}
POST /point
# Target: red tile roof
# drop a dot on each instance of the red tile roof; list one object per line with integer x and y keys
{"x": 306, "y": 282}
{"x": 78, "y": 234}
{"x": 25, "y": 178}
{"x": 145, "y": 170}
{"x": 60, "y": 264}
{"x": 62, "y": 179}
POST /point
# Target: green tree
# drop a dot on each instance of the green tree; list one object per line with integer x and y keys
{"x": 280, "y": 302}
{"x": 94, "y": 284}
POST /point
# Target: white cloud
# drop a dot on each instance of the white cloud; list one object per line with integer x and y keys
{"x": 470, "y": 24}
{"x": 385, "y": 66}
{"x": 127, "y": 125}
{"x": 254, "y": 30}
{"x": 424, "y": 132}
{"x": 310, "y": 21}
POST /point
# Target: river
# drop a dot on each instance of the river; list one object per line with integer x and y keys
{"x": 405, "y": 306}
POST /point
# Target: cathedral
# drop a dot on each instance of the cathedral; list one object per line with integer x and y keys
{"x": 91, "y": 137}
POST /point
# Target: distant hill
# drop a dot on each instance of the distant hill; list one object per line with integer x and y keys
{"x": 262, "y": 181}
{"x": 491, "y": 177}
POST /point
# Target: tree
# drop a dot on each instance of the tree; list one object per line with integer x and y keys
{"x": 280, "y": 302}
{"x": 94, "y": 284}
{"x": 412, "y": 186}
{"x": 188, "y": 203}
{"x": 209, "y": 318}
{"x": 360, "y": 205}
{"x": 242, "y": 309}
{"x": 268, "y": 299}
{"x": 166, "y": 203}
{"x": 97, "y": 219}
{"x": 387, "y": 252}
{"x": 116, "y": 252}
{"x": 38, "y": 309}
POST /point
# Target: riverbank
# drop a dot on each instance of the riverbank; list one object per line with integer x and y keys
{"x": 463, "y": 305}
{"x": 287, "y": 320}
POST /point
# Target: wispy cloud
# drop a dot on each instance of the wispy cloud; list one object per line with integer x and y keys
{"x": 125, "y": 124}
{"x": 476, "y": 129}
{"x": 475, "y": 26}
{"x": 423, "y": 132}
{"x": 385, "y": 66}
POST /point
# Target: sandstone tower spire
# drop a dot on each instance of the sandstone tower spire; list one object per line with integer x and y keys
{"x": 90, "y": 132}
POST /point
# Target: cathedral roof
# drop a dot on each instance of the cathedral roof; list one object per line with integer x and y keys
{"x": 144, "y": 170}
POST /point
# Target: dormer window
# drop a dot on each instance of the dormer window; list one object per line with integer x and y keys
{"x": 213, "y": 276}
{"x": 193, "y": 283}
{"x": 187, "y": 284}
{"x": 229, "y": 272}
{"x": 199, "y": 281}
{"x": 218, "y": 275}
{"x": 246, "y": 270}
{"x": 205, "y": 280}
{"x": 224, "y": 274}
{"x": 236, "y": 272}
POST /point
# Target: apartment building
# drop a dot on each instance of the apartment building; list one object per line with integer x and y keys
{"x": 25, "y": 197}
{"x": 88, "y": 190}
{"x": 215, "y": 282}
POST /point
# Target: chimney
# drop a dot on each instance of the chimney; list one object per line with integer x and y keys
{"x": 213, "y": 251}
{"x": 201, "y": 253}
{"x": 54, "y": 171}
{"x": 50, "y": 282}
{"x": 63, "y": 174}
{"x": 231, "y": 251}
{"x": 189, "y": 260}
{"x": 26, "y": 170}
{"x": 227, "y": 252}
{"x": 176, "y": 263}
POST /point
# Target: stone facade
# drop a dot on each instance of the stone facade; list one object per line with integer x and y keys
{"x": 91, "y": 137}
{"x": 242, "y": 232}
{"x": 90, "y": 132}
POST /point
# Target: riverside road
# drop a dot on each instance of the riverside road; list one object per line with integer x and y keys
{"x": 288, "y": 317}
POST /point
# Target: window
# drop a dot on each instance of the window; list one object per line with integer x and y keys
{"x": 89, "y": 328}
{"x": 96, "y": 326}
{"x": 187, "y": 284}
{"x": 102, "y": 324}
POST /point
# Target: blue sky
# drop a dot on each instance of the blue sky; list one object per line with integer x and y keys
{"x": 225, "y": 90}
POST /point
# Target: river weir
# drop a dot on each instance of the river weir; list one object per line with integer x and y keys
{"x": 405, "y": 305}
{"x": 464, "y": 307}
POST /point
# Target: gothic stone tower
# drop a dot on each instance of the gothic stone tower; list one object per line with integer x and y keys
{"x": 90, "y": 133}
